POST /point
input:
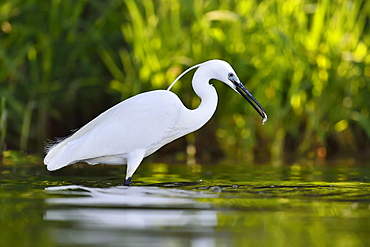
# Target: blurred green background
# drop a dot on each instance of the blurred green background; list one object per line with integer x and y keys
{"x": 62, "y": 62}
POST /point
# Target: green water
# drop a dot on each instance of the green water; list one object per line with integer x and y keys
{"x": 305, "y": 204}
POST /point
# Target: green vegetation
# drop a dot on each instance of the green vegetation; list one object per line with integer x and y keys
{"x": 307, "y": 63}
{"x": 3, "y": 117}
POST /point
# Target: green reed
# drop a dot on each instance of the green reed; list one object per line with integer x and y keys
{"x": 3, "y": 118}
{"x": 307, "y": 63}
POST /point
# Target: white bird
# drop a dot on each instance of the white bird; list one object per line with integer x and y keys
{"x": 137, "y": 127}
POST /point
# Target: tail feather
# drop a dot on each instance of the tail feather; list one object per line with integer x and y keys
{"x": 58, "y": 157}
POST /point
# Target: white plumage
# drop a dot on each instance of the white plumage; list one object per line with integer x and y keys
{"x": 140, "y": 125}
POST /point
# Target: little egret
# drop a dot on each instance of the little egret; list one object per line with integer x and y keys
{"x": 137, "y": 127}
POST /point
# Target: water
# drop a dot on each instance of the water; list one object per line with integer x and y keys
{"x": 304, "y": 204}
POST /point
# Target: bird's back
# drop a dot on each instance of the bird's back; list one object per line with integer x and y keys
{"x": 145, "y": 121}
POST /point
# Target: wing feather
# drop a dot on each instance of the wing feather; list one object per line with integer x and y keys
{"x": 139, "y": 122}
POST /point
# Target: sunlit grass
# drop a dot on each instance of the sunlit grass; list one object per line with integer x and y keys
{"x": 307, "y": 63}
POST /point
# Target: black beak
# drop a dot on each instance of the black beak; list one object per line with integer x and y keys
{"x": 249, "y": 97}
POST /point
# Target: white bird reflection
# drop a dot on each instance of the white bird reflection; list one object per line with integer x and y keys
{"x": 127, "y": 196}
{"x": 96, "y": 213}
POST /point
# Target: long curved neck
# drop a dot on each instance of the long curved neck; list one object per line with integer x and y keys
{"x": 207, "y": 94}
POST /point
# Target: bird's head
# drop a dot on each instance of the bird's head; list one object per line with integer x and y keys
{"x": 224, "y": 72}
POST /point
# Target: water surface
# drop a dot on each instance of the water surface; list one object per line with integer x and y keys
{"x": 304, "y": 204}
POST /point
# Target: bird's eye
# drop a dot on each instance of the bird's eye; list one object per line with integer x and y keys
{"x": 232, "y": 78}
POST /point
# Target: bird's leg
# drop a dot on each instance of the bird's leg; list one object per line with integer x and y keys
{"x": 133, "y": 161}
{"x": 127, "y": 182}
